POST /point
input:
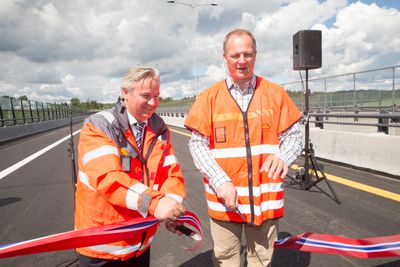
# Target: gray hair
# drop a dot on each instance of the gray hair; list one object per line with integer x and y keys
{"x": 240, "y": 32}
{"x": 137, "y": 74}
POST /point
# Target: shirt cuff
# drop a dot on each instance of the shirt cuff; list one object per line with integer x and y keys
{"x": 216, "y": 182}
{"x": 283, "y": 157}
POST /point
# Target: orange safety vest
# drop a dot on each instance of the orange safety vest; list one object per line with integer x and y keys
{"x": 116, "y": 182}
{"x": 240, "y": 142}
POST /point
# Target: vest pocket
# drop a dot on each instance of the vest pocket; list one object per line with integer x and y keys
{"x": 219, "y": 132}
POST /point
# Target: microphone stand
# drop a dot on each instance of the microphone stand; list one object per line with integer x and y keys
{"x": 310, "y": 175}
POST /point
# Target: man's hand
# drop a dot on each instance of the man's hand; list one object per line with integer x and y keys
{"x": 274, "y": 166}
{"x": 168, "y": 209}
{"x": 228, "y": 194}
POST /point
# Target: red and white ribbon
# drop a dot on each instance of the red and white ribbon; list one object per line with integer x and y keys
{"x": 93, "y": 236}
{"x": 375, "y": 247}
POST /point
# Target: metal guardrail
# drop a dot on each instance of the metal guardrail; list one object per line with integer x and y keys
{"x": 369, "y": 90}
{"x": 384, "y": 121}
{"x": 363, "y": 96}
{"x": 18, "y": 112}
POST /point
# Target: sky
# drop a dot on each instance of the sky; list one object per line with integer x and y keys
{"x": 53, "y": 50}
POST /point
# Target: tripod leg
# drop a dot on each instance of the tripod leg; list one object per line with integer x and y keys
{"x": 317, "y": 169}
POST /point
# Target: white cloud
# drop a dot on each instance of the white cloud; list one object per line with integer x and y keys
{"x": 68, "y": 79}
{"x": 364, "y": 43}
{"x": 54, "y": 50}
{"x": 76, "y": 91}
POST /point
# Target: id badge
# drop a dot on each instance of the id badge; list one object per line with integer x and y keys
{"x": 126, "y": 163}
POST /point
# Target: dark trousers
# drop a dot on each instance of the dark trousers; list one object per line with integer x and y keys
{"x": 142, "y": 260}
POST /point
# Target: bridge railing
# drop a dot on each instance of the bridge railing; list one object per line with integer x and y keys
{"x": 366, "y": 101}
{"x": 385, "y": 122}
{"x": 371, "y": 90}
{"x": 18, "y": 112}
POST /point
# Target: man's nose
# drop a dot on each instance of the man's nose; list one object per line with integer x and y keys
{"x": 242, "y": 58}
{"x": 152, "y": 101}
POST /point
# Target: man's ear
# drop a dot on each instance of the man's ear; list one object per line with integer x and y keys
{"x": 124, "y": 92}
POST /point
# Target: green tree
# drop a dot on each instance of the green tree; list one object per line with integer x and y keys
{"x": 75, "y": 102}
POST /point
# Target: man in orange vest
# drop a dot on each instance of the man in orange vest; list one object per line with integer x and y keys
{"x": 127, "y": 169}
{"x": 245, "y": 134}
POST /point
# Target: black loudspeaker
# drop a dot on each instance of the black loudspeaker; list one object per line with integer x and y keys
{"x": 307, "y": 52}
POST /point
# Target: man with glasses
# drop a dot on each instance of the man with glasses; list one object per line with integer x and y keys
{"x": 127, "y": 169}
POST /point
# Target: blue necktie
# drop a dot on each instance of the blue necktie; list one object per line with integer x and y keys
{"x": 139, "y": 134}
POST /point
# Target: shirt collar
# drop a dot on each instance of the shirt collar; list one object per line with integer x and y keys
{"x": 132, "y": 119}
{"x": 251, "y": 83}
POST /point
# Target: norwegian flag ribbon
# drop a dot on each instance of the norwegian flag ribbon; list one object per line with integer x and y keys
{"x": 375, "y": 247}
{"x": 95, "y": 236}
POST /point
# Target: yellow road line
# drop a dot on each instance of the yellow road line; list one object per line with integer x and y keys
{"x": 360, "y": 186}
{"x": 179, "y": 132}
{"x": 356, "y": 185}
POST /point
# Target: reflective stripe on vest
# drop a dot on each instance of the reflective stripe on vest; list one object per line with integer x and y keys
{"x": 99, "y": 152}
{"x": 243, "y": 191}
{"x": 238, "y": 152}
{"x": 85, "y": 179}
{"x": 169, "y": 160}
{"x": 121, "y": 250}
{"x": 245, "y": 208}
{"x": 107, "y": 115}
{"x": 132, "y": 197}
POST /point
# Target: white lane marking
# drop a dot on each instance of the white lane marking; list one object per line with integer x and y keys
{"x": 18, "y": 165}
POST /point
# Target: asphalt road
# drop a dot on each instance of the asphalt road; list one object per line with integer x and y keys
{"x": 37, "y": 200}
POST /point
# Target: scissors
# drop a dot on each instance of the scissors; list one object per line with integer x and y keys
{"x": 188, "y": 232}
{"x": 235, "y": 209}
{"x": 240, "y": 214}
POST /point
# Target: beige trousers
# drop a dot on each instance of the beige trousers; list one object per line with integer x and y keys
{"x": 227, "y": 237}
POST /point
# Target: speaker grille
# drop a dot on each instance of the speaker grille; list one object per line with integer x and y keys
{"x": 307, "y": 51}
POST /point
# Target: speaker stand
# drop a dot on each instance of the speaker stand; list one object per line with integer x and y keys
{"x": 310, "y": 175}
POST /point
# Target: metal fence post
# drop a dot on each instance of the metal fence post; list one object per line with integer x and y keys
{"x": 1, "y": 117}
{"x": 37, "y": 110}
{"x": 43, "y": 112}
{"x": 57, "y": 111}
{"x": 393, "y": 89}
{"x": 319, "y": 120}
{"x": 13, "y": 111}
{"x": 30, "y": 110}
{"x": 326, "y": 104}
{"x": 23, "y": 111}
{"x": 383, "y": 129}
{"x": 354, "y": 92}
{"x": 48, "y": 111}
{"x": 51, "y": 110}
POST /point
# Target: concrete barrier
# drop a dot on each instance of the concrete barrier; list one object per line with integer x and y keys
{"x": 374, "y": 151}
{"x": 9, "y": 133}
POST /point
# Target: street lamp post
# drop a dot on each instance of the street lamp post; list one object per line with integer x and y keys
{"x": 193, "y": 7}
